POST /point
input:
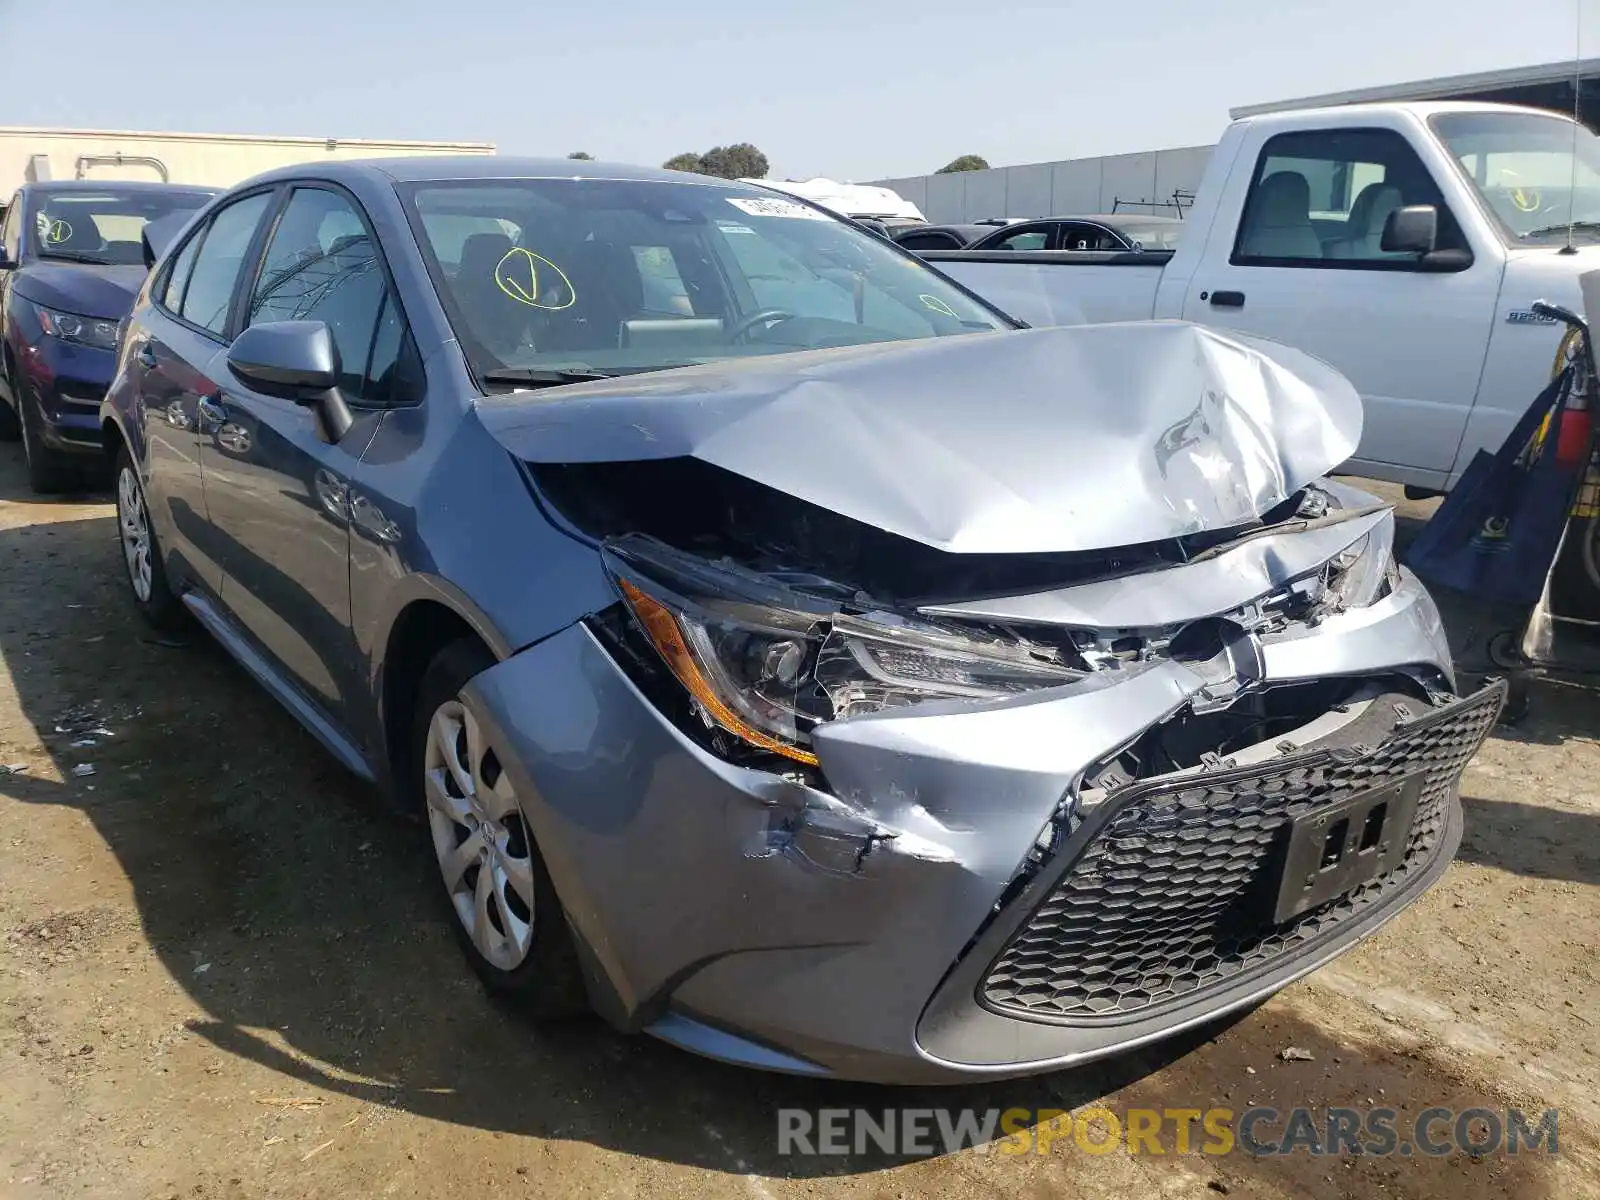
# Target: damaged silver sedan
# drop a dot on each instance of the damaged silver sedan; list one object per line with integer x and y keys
{"x": 883, "y": 691}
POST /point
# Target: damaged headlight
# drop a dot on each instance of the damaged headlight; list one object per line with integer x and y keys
{"x": 1363, "y": 572}
{"x": 768, "y": 664}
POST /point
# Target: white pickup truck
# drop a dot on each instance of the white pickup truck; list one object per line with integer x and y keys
{"x": 1403, "y": 243}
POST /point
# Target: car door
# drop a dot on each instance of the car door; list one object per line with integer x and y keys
{"x": 1306, "y": 268}
{"x": 278, "y": 495}
{"x": 173, "y": 350}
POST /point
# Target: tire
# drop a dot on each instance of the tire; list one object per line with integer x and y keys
{"x": 49, "y": 474}
{"x": 10, "y": 426}
{"x": 529, "y": 958}
{"x": 141, "y": 555}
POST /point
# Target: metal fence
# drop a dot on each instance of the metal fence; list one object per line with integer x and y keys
{"x": 1079, "y": 185}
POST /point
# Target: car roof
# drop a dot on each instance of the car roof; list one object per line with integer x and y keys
{"x": 427, "y": 168}
{"x": 967, "y": 230}
{"x": 1115, "y": 219}
{"x": 68, "y": 186}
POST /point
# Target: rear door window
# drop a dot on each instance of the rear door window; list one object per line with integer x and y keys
{"x": 217, "y": 264}
{"x": 171, "y": 294}
{"x": 1023, "y": 239}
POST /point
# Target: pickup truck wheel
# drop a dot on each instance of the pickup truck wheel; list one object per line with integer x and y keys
{"x": 147, "y": 577}
{"x": 504, "y": 909}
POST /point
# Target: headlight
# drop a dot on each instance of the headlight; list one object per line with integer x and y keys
{"x": 766, "y": 664}
{"x": 1365, "y": 571}
{"x": 81, "y": 331}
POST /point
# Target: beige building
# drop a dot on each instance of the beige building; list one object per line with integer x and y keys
{"x": 213, "y": 159}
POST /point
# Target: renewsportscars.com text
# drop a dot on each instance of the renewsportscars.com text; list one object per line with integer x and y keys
{"x": 1259, "y": 1131}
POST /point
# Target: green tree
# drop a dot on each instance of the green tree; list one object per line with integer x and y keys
{"x": 682, "y": 162}
{"x": 967, "y": 162}
{"x": 739, "y": 161}
{"x": 583, "y": 155}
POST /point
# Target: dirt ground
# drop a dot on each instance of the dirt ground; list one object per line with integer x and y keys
{"x": 223, "y": 974}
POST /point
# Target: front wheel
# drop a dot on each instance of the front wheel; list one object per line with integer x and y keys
{"x": 147, "y": 577}
{"x": 49, "y": 473}
{"x": 505, "y": 911}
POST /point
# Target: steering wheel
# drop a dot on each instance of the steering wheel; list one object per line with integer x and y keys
{"x": 767, "y": 316}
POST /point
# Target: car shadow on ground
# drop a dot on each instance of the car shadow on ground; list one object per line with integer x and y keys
{"x": 303, "y": 919}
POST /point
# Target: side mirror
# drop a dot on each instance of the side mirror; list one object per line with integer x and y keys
{"x": 1413, "y": 229}
{"x": 874, "y": 226}
{"x": 158, "y": 235}
{"x": 298, "y": 361}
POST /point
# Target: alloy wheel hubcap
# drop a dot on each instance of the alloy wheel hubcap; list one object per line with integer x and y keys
{"x": 135, "y": 527}
{"x": 479, "y": 837}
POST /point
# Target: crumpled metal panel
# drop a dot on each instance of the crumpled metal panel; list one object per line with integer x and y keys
{"x": 1039, "y": 440}
{"x": 1183, "y": 592}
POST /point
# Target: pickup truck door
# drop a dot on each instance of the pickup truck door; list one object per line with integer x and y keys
{"x": 1301, "y": 262}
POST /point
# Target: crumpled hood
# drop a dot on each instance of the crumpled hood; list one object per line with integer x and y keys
{"x": 1040, "y": 440}
{"x": 83, "y": 288}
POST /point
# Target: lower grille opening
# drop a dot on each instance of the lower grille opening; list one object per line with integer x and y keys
{"x": 1169, "y": 887}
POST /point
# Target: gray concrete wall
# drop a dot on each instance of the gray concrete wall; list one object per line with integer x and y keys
{"x": 1080, "y": 185}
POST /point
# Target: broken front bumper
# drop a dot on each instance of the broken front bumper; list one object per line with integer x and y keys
{"x": 869, "y": 933}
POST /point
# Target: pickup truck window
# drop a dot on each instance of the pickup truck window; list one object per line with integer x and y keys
{"x": 1535, "y": 172}
{"x": 1320, "y": 198}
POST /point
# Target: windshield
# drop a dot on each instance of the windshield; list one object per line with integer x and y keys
{"x": 1530, "y": 169}
{"x": 103, "y": 226}
{"x": 617, "y": 276}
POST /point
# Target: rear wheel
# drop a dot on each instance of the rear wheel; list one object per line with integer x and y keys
{"x": 147, "y": 577}
{"x": 504, "y": 909}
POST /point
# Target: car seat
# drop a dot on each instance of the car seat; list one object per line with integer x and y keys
{"x": 1278, "y": 223}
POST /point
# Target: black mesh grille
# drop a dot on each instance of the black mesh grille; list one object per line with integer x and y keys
{"x": 1174, "y": 895}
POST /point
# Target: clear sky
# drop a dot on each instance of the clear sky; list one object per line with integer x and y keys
{"x": 845, "y": 88}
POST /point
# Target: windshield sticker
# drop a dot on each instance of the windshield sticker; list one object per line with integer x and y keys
{"x": 938, "y": 306}
{"x": 54, "y": 231}
{"x": 734, "y": 227}
{"x": 518, "y": 276}
{"x": 764, "y": 207}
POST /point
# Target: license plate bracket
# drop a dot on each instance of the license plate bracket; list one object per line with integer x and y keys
{"x": 1335, "y": 849}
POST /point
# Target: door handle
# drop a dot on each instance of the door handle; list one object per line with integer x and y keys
{"x": 1227, "y": 299}
{"x": 209, "y": 414}
{"x": 146, "y": 357}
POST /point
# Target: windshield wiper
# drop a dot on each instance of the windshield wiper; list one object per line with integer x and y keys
{"x": 77, "y": 256}
{"x": 535, "y": 377}
{"x": 1586, "y": 226}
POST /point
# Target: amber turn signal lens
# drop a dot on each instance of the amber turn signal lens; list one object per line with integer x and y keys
{"x": 664, "y": 633}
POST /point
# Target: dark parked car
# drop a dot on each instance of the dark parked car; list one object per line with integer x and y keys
{"x": 789, "y": 656}
{"x": 917, "y": 238}
{"x": 70, "y": 265}
{"x": 1115, "y": 232}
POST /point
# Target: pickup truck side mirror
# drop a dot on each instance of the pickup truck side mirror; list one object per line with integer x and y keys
{"x": 1413, "y": 229}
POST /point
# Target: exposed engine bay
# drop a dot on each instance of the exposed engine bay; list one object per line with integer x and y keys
{"x": 777, "y": 615}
